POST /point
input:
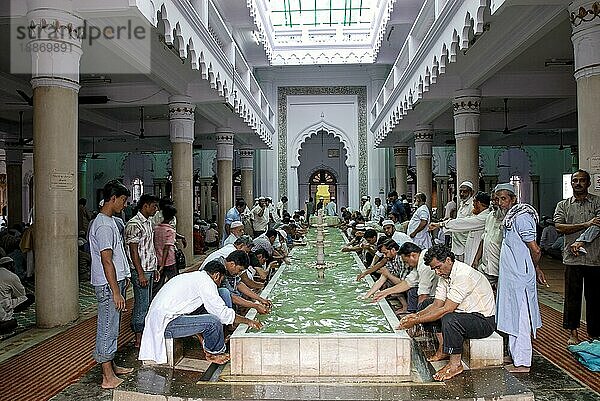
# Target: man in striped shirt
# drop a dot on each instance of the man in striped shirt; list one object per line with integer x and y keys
{"x": 139, "y": 237}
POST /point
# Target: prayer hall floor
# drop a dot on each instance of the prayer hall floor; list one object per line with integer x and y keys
{"x": 547, "y": 381}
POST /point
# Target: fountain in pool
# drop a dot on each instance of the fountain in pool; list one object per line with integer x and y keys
{"x": 318, "y": 327}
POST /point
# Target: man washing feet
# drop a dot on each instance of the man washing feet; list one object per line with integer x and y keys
{"x": 170, "y": 314}
{"x": 463, "y": 308}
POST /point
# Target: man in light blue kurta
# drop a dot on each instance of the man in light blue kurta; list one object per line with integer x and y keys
{"x": 518, "y": 313}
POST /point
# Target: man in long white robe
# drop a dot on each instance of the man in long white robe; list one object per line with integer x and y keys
{"x": 518, "y": 313}
{"x": 170, "y": 314}
{"x": 472, "y": 225}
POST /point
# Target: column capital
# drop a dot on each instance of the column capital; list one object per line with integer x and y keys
{"x": 181, "y": 119}
{"x": 585, "y": 23}
{"x": 206, "y": 181}
{"x": 55, "y": 40}
{"x": 423, "y": 140}
{"x": 246, "y": 158}
{"x": 224, "y": 137}
{"x": 466, "y": 101}
{"x": 401, "y": 155}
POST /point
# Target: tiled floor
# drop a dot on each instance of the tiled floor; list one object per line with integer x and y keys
{"x": 547, "y": 381}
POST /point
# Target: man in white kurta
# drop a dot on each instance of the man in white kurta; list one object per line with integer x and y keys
{"x": 417, "y": 226}
{"x": 170, "y": 314}
{"x": 518, "y": 313}
{"x": 471, "y": 225}
{"x": 465, "y": 209}
{"x": 487, "y": 259}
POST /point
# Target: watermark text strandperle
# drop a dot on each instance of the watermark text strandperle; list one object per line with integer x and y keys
{"x": 65, "y": 35}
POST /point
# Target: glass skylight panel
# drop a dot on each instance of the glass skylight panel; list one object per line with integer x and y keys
{"x": 320, "y": 13}
{"x": 321, "y": 31}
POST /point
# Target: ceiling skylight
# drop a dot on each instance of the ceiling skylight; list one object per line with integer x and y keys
{"x": 324, "y": 13}
{"x": 321, "y": 31}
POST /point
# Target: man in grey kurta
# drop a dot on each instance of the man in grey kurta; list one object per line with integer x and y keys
{"x": 518, "y": 313}
{"x": 577, "y": 218}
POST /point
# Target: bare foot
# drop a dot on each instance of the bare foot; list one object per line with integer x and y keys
{"x": 448, "y": 372}
{"x": 119, "y": 370}
{"x": 438, "y": 356}
{"x": 517, "y": 369}
{"x": 507, "y": 360}
{"x": 573, "y": 338}
{"x": 109, "y": 383}
{"x": 219, "y": 359}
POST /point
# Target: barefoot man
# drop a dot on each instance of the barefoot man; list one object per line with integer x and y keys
{"x": 171, "y": 313}
{"x": 463, "y": 308}
{"x": 109, "y": 276}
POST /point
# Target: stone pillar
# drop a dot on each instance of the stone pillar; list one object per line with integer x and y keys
{"x": 247, "y": 165}
{"x": 14, "y": 186}
{"x": 401, "y": 166}
{"x": 224, "y": 137}
{"x": 490, "y": 182}
{"x": 574, "y": 157}
{"x": 424, "y": 155}
{"x": 442, "y": 194}
{"x": 55, "y": 82}
{"x": 82, "y": 180}
{"x": 181, "y": 127}
{"x": 205, "y": 204}
{"x": 585, "y": 22}
{"x": 466, "y": 131}
{"x": 535, "y": 191}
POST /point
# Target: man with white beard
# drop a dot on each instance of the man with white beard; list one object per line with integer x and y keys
{"x": 465, "y": 209}
{"x": 487, "y": 257}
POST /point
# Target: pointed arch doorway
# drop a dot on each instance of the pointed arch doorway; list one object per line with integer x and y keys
{"x": 323, "y": 160}
{"x": 322, "y": 177}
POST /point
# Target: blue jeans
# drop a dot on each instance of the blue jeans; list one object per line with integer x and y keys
{"x": 108, "y": 323}
{"x": 206, "y": 324}
{"x": 141, "y": 300}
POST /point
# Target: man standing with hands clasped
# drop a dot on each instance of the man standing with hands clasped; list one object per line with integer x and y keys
{"x": 109, "y": 276}
{"x": 578, "y": 217}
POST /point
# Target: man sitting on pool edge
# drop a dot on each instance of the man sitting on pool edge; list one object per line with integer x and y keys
{"x": 170, "y": 314}
{"x": 463, "y": 308}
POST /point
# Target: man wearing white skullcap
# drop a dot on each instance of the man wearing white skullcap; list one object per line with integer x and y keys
{"x": 518, "y": 313}
{"x": 465, "y": 209}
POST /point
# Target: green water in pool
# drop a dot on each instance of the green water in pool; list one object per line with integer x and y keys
{"x": 303, "y": 303}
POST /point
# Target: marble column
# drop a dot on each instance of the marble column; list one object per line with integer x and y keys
{"x": 82, "y": 179}
{"x": 424, "y": 155}
{"x": 535, "y": 191}
{"x": 585, "y": 22}
{"x": 224, "y": 137}
{"x": 490, "y": 182}
{"x": 400, "y": 167}
{"x": 181, "y": 127}
{"x": 205, "y": 204}
{"x": 247, "y": 166}
{"x": 442, "y": 194}
{"x": 55, "y": 82}
{"x": 14, "y": 186}
{"x": 466, "y": 131}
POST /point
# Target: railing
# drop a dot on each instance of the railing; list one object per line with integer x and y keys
{"x": 201, "y": 34}
{"x": 441, "y": 29}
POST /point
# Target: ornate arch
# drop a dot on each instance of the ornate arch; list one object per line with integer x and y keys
{"x": 313, "y": 130}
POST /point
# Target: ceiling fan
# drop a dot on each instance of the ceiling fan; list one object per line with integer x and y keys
{"x": 141, "y": 134}
{"x": 506, "y": 130}
{"x": 28, "y": 100}
{"x": 95, "y": 156}
{"x": 22, "y": 143}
